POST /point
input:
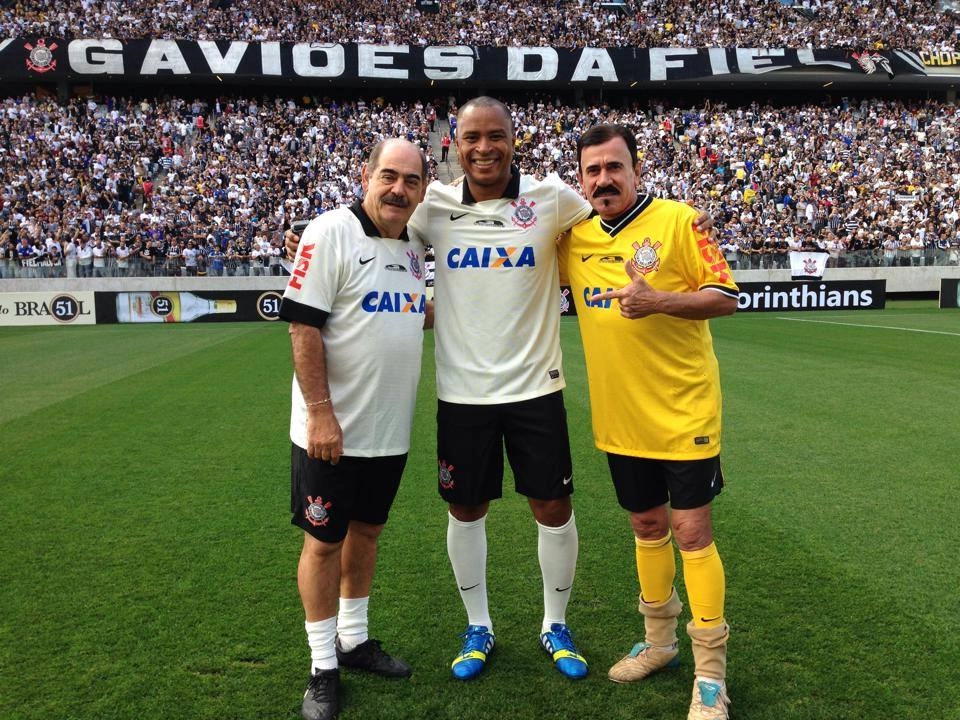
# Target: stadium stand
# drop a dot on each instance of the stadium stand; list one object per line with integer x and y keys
{"x": 873, "y": 180}
{"x": 230, "y": 173}
{"x": 561, "y": 23}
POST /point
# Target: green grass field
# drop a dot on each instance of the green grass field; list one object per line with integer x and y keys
{"x": 147, "y": 563}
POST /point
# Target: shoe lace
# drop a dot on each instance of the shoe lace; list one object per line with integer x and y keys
{"x": 474, "y": 639}
{"x": 373, "y": 648}
{"x": 564, "y": 639}
{"x": 321, "y": 688}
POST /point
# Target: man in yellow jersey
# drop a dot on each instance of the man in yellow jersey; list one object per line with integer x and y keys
{"x": 645, "y": 282}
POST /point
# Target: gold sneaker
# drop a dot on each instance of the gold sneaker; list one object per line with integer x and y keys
{"x": 643, "y": 660}
{"x": 710, "y": 701}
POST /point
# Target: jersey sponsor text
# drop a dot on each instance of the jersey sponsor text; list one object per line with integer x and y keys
{"x": 491, "y": 257}
{"x": 394, "y": 302}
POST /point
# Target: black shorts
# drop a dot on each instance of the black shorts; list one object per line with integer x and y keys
{"x": 642, "y": 484}
{"x": 324, "y": 498}
{"x": 471, "y": 441}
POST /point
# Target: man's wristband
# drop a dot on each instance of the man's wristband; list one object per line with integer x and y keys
{"x": 317, "y": 403}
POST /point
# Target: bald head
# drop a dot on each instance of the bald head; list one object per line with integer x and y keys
{"x": 488, "y": 103}
{"x": 374, "y": 159}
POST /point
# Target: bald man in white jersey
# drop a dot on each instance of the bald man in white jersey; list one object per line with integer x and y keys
{"x": 357, "y": 309}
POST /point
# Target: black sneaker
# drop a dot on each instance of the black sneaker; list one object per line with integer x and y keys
{"x": 321, "y": 701}
{"x": 370, "y": 656}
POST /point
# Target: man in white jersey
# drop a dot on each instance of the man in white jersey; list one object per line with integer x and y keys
{"x": 499, "y": 370}
{"x": 356, "y": 306}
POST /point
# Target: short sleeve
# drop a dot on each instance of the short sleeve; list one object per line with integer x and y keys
{"x": 315, "y": 275}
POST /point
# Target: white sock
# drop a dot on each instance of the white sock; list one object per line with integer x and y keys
{"x": 352, "y": 622}
{"x": 557, "y": 549}
{"x": 321, "y": 636}
{"x": 467, "y": 548}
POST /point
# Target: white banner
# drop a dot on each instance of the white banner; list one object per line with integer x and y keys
{"x": 807, "y": 265}
{"x": 47, "y": 308}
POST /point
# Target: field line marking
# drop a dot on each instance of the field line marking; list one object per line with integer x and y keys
{"x": 878, "y": 327}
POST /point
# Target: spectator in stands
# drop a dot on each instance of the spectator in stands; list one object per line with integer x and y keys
{"x": 70, "y": 256}
{"x": 26, "y": 255}
{"x": 190, "y": 254}
{"x": 99, "y": 252}
{"x": 7, "y": 255}
{"x": 85, "y": 256}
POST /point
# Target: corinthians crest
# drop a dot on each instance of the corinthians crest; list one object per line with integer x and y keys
{"x": 316, "y": 512}
{"x": 446, "y": 475}
{"x": 415, "y": 269}
{"x": 870, "y": 62}
{"x": 523, "y": 216}
{"x": 41, "y": 57}
{"x": 645, "y": 258}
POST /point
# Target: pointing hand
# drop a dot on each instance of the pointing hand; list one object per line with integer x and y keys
{"x": 637, "y": 299}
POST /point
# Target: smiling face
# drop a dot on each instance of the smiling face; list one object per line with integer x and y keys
{"x": 393, "y": 185}
{"x": 608, "y": 176}
{"x": 485, "y": 148}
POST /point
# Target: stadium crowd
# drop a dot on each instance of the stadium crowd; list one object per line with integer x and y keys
{"x": 909, "y": 24}
{"x": 168, "y": 178}
{"x": 116, "y": 186}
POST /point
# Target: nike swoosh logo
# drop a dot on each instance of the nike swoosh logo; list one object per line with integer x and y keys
{"x": 456, "y": 217}
{"x": 584, "y": 258}
{"x": 566, "y": 480}
{"x": 364, "y": 262}
{"x": 469, "y": 588}
{"x": 713, "y": 619}
{"x": 563, "y": 589}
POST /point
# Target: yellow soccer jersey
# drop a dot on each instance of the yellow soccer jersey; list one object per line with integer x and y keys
{"x": 654, "y": 382}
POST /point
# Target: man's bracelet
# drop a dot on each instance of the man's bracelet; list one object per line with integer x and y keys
{"x": 315, "y": 403}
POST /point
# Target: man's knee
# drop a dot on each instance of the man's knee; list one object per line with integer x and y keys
{"x": 692, "y": 529}
{"x": 318, "y": 550}
{"x": 652, "y": 524}
{"x": 468, "y": 513}
{"x": 552, "y": 513}
{"x": 364, "y": 531}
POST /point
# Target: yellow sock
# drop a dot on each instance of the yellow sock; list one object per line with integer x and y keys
{"x": 706, "y": 586}
{"x": 656, "y": 569}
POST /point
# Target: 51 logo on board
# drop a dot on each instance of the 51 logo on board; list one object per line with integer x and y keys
{"x": 62, "y": 308}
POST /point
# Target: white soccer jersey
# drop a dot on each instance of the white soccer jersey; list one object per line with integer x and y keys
{"x": 497, "y": 292}
{"x": 366, "y": 294}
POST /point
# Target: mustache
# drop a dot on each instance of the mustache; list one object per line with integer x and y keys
{"x": 607, "y": 190}
{"x": 395, "y": 200}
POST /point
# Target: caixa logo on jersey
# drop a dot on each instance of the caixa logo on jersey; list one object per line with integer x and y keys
{"x": 491, "y": 257}
{"x": 377, "y": 301}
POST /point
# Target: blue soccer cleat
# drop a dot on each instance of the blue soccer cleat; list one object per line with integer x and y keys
{"x": 477, "y": 644}
{"x": 559, "y": 644}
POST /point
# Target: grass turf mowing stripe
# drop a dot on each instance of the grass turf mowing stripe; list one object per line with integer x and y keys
{"x": 57, "y": 363}
{"x": 869, "y": 325}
